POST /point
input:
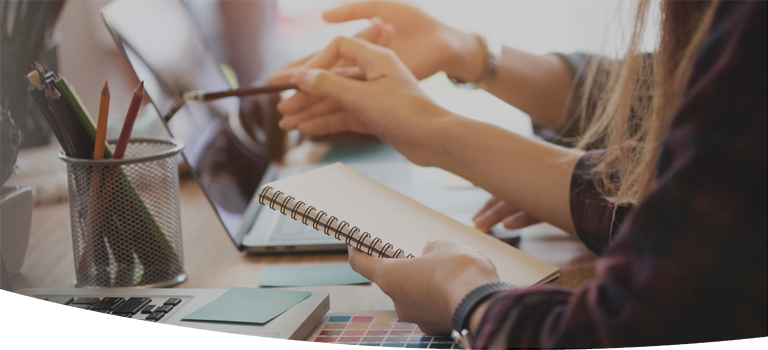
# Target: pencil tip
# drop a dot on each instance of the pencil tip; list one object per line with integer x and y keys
{"x": 139, "y": 89}
{"x": 105, "y": 90}
{"x": 39, "y": 66}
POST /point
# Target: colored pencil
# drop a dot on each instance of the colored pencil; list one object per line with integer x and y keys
{"x": 81, "y": 114}
{"x": 101, "y": 127}
{"x": 57, "y": 116}
{"x": 38, "y": 97}
{"x": 130, "y": 118}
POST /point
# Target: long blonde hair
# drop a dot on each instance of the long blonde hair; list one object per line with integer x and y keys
{"x": 631, "y": 115}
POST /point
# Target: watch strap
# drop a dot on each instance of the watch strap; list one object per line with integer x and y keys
{"x": 472, "y": 300}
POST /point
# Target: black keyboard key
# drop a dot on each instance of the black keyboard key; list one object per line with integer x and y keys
{"x": 149, "y": 309}
{"x": 75, "y": 328}
{"x": 45, "y": 330}
{"x": 34, "y": 338}
{"x": 17, "y": 315}
{"x": 85, "y": 320}
{"x": 108, "y": 304}
{"x": 107, "y": 324}
{"x": 155, "y": 316}
{"x": 114, "y": 343}
{"x": 86, "y": 340}
{"x": 76, "y": 307}
{"x": 4, "y": 324}
{"x": 139, "y": 323}
{"x": 128, "y": 332}
{"x": 24, "y": 326}
{"x": 94, "y": 313}
{"x": 164, "y": 308}
{"x": 66, "y": 314}
{"x": 132, "y": 306}
{"x": 87, "y": 301}
{"x": 23, "y": 346}
{"x": 56, "y": 322}
{"x": 60, "y": 300}
{"x": 53, "y": 344}
{"x": 28, "y": 308}
{"x": 64, "y": 336}
{"x": 45, "y": 311}
{"x": 97, "y": 332}
{"x": 117, "y": 317}
{"x": 173, "y": 301}
{"x": 34, "y": 318}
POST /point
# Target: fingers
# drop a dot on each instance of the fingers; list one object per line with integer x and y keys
{"x": 519, "y": 220}
{"x": 364, "y": 54}
{"x": 285, "y": 74}
{"x": 353, "y": 11}
{"x": 488, "y": 205}
{"x": 322, "y": 108}
{"x": 333, "y": 123}
{"x": 494, "y": 215}
{"x": 364, "y": 264}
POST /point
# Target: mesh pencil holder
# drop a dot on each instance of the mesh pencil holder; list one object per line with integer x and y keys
{"x": 126, "y": 227}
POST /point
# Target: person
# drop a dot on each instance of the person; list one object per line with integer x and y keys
{"x": 667, "y": 183}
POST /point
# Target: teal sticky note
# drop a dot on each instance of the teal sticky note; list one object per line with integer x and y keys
{"x": 248, "y": 305}
{"x": 300, "y": 276}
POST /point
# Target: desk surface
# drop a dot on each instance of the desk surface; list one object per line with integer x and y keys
{"x": 212, "y": 261}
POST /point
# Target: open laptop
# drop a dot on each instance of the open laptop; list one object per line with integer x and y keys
{"x": 70, "y": 318}
{"x": 228, "y": 153}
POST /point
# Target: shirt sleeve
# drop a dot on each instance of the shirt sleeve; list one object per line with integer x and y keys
{"x": 689, "y": 264}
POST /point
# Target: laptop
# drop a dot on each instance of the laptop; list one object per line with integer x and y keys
{"x": 230, "y": 154}
{"x": 70, "y": 318}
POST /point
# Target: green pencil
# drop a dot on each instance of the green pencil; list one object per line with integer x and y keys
{"x": 68, "y": 92}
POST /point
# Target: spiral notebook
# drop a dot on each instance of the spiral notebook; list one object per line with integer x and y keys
{"x": 357, "y": 210}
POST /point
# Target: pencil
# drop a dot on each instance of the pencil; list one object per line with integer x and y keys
{"x": 199, "y": 95}
{"x": 83, "y": 118}
{"x": 59, "y": 122}
{"x": 130, "y": 118}
{"x": 101, "y": 127}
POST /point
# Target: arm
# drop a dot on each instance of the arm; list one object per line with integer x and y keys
{"x": 536, "y": 84}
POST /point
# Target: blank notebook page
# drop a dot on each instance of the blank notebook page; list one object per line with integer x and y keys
{"x": 403, "y": 222}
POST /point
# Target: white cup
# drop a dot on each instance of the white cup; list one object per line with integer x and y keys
{"x": 15, "y": 224}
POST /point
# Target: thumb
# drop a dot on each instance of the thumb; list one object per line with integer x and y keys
{"x": 324, "y": 83}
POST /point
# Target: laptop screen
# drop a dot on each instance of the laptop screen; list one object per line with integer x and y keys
{"x": 167, "y": 52}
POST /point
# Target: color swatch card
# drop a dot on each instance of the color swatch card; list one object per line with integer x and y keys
{"x": 377, "y": 329}
{"x": 319, "y": 275}
{"x": 248, "y": 305}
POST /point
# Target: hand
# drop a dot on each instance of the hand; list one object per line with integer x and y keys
{"x": 423, "y": 43}
{"x": 496, "y": 210}
{"x": 426, "y": 290}
{"x": 389, "y": 105}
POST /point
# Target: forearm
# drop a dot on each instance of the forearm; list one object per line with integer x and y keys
{"x": 538, "y": 85}
{"x": 528, "y": 174}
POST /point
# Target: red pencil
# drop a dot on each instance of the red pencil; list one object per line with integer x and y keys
{"x": 130, "y": 118}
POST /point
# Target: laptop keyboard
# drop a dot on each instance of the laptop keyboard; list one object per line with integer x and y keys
{"x": 81, "y": 323}
{"x": 288, "y": 230}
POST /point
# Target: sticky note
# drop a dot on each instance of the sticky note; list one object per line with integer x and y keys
{"x": 299, "y": 276}
{"x": 248, "y": 305}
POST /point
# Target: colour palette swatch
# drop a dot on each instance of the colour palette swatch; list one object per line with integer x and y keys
{"x": 378, "y": 329}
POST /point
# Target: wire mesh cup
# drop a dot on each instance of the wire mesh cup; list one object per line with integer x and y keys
{"x": 126, "y": 227}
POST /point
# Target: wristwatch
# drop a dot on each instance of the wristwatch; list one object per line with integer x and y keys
{"x": 491, "y": 61}
{"x": 468, "y": 305}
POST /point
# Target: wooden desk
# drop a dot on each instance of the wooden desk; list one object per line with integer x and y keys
{"x": 212, "y": 261}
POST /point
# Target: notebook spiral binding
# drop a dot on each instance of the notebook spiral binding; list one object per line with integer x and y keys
{"x": 328, "y": 224}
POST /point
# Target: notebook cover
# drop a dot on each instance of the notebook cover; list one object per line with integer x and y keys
{"x": 403, "y": 222}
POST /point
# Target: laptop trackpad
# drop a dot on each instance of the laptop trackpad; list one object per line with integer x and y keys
{"x": 180, "y": 340}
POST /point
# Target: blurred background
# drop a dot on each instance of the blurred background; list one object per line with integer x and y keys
{"x": 256, "y": 37}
